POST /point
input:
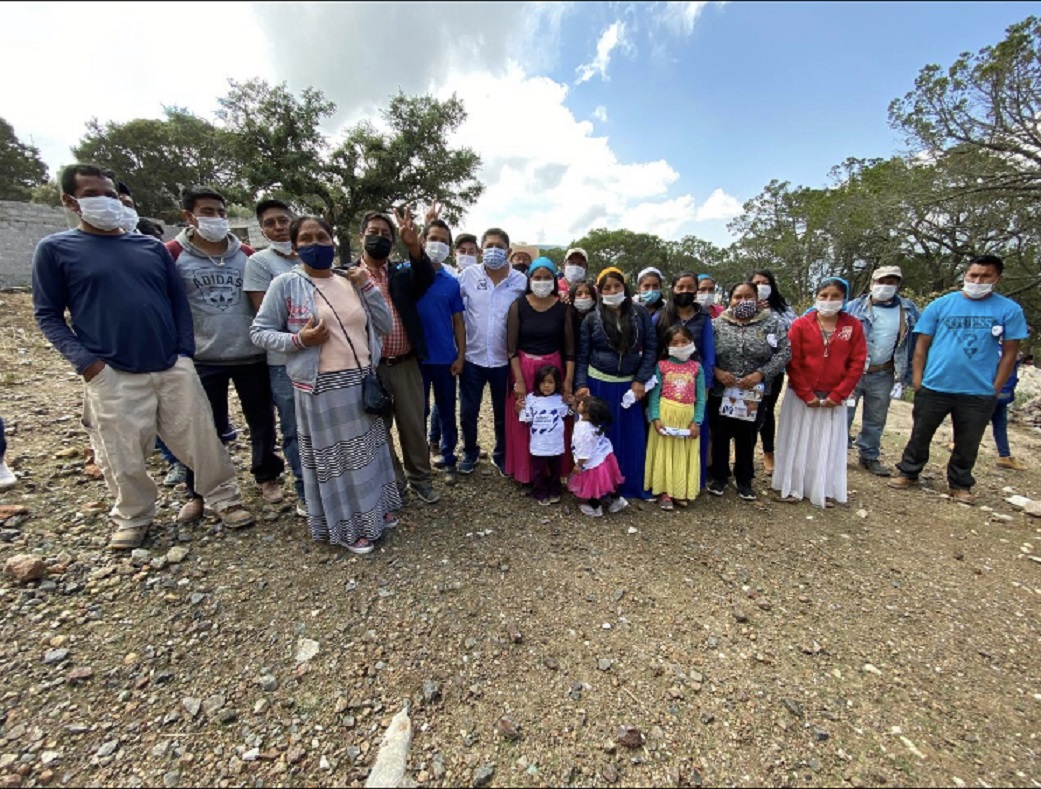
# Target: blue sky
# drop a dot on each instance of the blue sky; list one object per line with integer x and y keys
{"x": 659, "y": 117}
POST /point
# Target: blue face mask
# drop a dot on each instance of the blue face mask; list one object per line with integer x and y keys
{"x": 317, "y": 256}
{"x": 650, "y": 296}
{"x": 494, "y": 258}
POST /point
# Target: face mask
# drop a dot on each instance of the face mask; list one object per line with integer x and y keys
{"x": 317, "y": 256}
{"x": 465, "y": 261}
{"x": 378, "y": 247}
{"x": 883, "y": 292}
{"x": 574, "y": 273}
{"x": 615, "y": 299}
{"x": 706, "y": 299}
{"x": 130, "y": 218}
{"x": 584, "y": 304}
{"x": 683, "y": 300}
{"x": 104, "y": 213}
{"x": 282, "y": 247}
{"x": 746, "y": 309}
{"x": 828, "y": 307}
{"x": 977, "y": 290}
{"x": 437, "y": 251}
{"x": 542, "y": 288}
{"x": 213, "y": 228}
{"x": 764, "y": 291}
{"x": 494, "y": 258}
{"x": 650, "y": 296}
{"x": 683, "y": 352}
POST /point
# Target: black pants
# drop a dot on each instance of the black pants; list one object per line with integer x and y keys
{"x": 970, "y": 415}
{"x": 253, "y": 385}
{"x": 723, "y": 430}
{"x": 767, "y": 406}
{"x": 545, "y": 477}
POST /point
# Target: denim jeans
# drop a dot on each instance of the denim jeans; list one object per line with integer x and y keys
{"x": 969, "y": 416}
{"x": 282, "y": 394}
{"x": 440, "y": 378}
{"x": 471, "y": 390}
{"x": 875, "y": 391}
{"x": 998, "y": 421}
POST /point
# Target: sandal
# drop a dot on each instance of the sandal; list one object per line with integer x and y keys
{"x": 390, "y": 521}
{"x": 127, "y": 538}
{"x": 786, "y": 499}
{"x": 236, "y": 517}
{"x": 829, "y": 504}
{"x": 665, "y": 503}
{"x": 361, "y": 547}
{"x": 680, "y": 502}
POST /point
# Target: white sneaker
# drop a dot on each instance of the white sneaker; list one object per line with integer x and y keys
{"x": 7, "y": 477}
{"x": 301, "y": 509}
{"x": 618, "y": 505}
{"x": 585, "y": 509}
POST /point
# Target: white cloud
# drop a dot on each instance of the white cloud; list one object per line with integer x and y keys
{"x": 681, "y": 17}
{"x": 600, "y": 113}
{"x": 610, "y": 39}
{"x": 719, "y": 205}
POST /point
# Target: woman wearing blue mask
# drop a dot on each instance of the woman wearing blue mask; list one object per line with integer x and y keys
{"x": 329, "y": 322}
{"x": 648, "y": 287}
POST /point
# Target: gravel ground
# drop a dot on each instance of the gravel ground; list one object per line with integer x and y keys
{"x": 891, "y": 642}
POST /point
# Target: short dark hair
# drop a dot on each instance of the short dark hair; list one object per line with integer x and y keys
{"x": 192, "y": 194}
{"x": 68, "y": 176}
{"x": 123, "y": 189}
{"x": 267, "y": 205}
{"x": 294, "y": 228}
{"x": 988, "y": 260}
{"x": 495, "y": 231}
{"x": 441, "y": 224}
{"x": 149, "y": 228}
{"x": 736, "y": 285}
{"x": 370, "y": 215}
{"x": 465, "y": 238}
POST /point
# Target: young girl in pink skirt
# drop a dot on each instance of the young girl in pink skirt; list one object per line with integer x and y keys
{"x": 596, "y": 478}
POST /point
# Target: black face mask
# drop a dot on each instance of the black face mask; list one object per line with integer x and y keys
{"x": 378, "y": 247}
{"x": 683, "y": 300}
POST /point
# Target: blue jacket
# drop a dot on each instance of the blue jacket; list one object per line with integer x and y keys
{"x": 594, "y": 349}
{"x": 862, "y": 310}
{"x": 289, "y": 304}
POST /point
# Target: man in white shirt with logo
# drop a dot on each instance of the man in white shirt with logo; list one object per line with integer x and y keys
{"x": 488, "y": 291}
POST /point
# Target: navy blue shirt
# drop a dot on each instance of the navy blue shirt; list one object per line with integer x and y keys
{"x": 125, "y": 297}
{"x": 436, "y": 308}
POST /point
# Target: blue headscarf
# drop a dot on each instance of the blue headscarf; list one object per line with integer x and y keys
{"x": 706, "y": 276}
{"x": 542, "y": 262}
{"x": 845, "y": 292}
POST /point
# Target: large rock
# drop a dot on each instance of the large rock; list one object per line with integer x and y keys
{"x": 24, "y": 568}
{"x": 389, "y": 769}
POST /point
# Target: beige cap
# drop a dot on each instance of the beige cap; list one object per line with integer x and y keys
{"x": 576, "y": 251}
{"x": 531, "y": 251}
{"x": 886, "y": 271}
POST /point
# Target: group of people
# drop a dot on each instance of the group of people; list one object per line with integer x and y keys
{"x": 620, "y": 392}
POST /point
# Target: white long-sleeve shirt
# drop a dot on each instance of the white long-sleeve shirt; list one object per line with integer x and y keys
{"x": 485, "y": 317}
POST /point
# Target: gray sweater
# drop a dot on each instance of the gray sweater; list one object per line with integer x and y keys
{"x": 761, "y": 345}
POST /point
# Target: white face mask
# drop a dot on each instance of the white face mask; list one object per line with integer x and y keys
{"x": 883, "y": 292}
{"x": 615, "y": 299}
{"x": 574, "y": 273}
{"x": 828, "y": 307}
{"x": 977, "y": 290}
{"x": 683, "y": 352}
{"x": 495, "y": 258}
{"x": 437, "y": 251}
{"x": 584, "y": 304}
{"x": 130, "y": 218}
{"x": 706, "y": 299}
{"x": 542, "y": 288}
{"x": 104, "y": 213}
{"x": 282, "y": 247}
{"x": 213, "y": 228}
{"x": 764, "y": 291}
{"x": 465, "y": 261}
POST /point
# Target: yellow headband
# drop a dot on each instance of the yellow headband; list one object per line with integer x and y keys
{"x": 609, "y": 270}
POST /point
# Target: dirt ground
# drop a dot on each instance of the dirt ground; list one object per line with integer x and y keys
{"x": 896, "y": 641}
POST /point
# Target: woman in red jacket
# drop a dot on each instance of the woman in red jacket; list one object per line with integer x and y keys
{"x": 828, "y": 357}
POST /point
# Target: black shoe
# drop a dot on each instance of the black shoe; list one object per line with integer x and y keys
{"x": 426, "y": 494}
{"x": 746, "y": 492}
{"x": 875, "y": 467}
{"x": 716, "y": 488}
{"x": 467, "y": 466}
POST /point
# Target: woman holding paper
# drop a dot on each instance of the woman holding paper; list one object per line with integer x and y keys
{"x": 751, "y": 350}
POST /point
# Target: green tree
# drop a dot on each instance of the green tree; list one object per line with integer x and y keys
{"x": 48, "y": 193}
{"x": 21, "y": 168}
{"x": 623, "y": 249}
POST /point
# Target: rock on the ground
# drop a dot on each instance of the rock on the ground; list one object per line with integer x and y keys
{"x": 389, "y": 769}
{"x": 306, "y": 649}
{"x": 24, "y": 568}
{"x": 483, "y": 775}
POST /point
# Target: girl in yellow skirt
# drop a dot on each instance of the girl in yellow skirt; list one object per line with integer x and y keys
{"x": 676, "y": 408}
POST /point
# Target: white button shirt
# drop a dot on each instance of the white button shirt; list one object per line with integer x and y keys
{"x": 486, "y": 306}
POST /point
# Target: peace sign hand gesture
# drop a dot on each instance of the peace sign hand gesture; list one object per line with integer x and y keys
{"x": 433, "y": 212}
{"x": 409, "y": 234}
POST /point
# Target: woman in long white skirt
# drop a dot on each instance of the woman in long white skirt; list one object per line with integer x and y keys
{"x": 828, "y": 356}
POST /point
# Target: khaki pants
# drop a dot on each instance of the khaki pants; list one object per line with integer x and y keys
{"x": 405, "y": 383}
{"x": 123, "y": 412}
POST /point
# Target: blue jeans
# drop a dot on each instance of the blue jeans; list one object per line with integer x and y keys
{"x": 442, "y": 415}
{"x": 875, "y": 391}
{"x": 282, "y": 394}
{"x": 3, "y": 440}
{"x": 998, "y": 422}
{"x": 471, "y": 390}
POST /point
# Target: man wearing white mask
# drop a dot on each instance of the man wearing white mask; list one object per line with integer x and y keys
{"x": 888, "y": 320}
{"x": 275, "y": 217}
{"x": 967, "y": 347}
{"x": 212, "y": 264}
{"x": 130, "y": 217}
{"x": 576, "y": 267}
{"x": 136, "y": 364}
{"x": 441, "y": 313}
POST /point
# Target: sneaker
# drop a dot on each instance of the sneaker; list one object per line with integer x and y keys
{"x": 426, "y": 493}
{"x": 467, "y": 466}
{"x": 716, "y": 488}
{"x": 272, "y": 492}
{"x": 617, "y": 505}
{"x": 177, "y": 474}
{"x": 875, "y": 467}
{"x": 501, "y": 468}
{"x": 746, "y": 492}
{"x": 1009, "y": 463}
{"x": 301, "y": 509}
{"x": 543, "y": 502}
{"x": 665, "y": 502}
{"x": 554, "y": 499}
{"x": 962, "y": 496}
{"x": 7, "y": 477}
{"x": 192, "y": 511}
{"x": 230, "y": 434}
{"x": 900, "y": 482}
{"x": 585, "y": 509}
{"x": 451, "y": 477}
{"x": 439, "y": 463}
